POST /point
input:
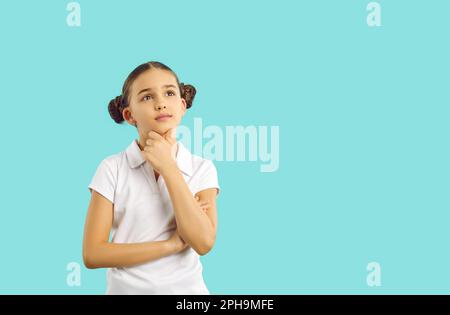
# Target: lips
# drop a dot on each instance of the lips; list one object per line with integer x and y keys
{"x": 163, "y": 117}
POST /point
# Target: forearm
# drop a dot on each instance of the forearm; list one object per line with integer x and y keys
{"x": 107, "y": 255}
{"x": 193, "y": 224}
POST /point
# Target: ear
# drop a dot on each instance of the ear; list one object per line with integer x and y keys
{"x": 128, "y": 116}
{"x": 183, "y": 106}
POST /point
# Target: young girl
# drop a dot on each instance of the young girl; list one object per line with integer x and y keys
{"x": 157, "y": 198}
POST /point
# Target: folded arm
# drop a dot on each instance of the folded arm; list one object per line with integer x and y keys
{"x": 196, "y": 227}
{"x": 98, "y": 252}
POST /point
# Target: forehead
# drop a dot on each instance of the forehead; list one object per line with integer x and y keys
{"x": 153, "y": 79}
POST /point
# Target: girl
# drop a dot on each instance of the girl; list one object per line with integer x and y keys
{"x": 157, "y": 199}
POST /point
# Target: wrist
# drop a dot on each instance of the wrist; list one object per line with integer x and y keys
{"x": 169, "y": 168}
{"x": 170, "y": 247}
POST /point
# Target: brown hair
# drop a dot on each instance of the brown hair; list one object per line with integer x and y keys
{"x": 119, "y": 103}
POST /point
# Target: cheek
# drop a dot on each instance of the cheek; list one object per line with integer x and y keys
{"x": 177, "y": 119}
{"x": 177, "y": 113}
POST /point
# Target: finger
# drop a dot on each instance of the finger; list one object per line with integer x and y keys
{"x": 154, "y": 135}
{"x": 170, "y": 135}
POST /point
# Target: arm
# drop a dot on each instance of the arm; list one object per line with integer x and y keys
{"x": 98, "y": 252}
{"x": 196, "y": 227}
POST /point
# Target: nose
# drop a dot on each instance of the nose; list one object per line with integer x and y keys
{"x": 159, "y": 106}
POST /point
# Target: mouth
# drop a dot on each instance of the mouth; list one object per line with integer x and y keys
{"x": 163, "y": 117}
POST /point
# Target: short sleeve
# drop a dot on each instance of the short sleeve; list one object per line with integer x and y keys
{"x": 208, "y": 177}
{"x": 104, "y": 180}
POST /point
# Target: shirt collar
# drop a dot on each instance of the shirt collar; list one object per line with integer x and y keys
{"x": 183, "y": 158}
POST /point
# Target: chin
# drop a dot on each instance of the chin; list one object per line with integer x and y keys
{"x": 162, "y": 129}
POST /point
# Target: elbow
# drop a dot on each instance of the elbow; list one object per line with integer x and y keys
{"x": 89, "y": 260}
{"x": 89, "y": 264}
{"x": 205, "y": 247}
{"x": 203, "y": 252}
{"x": 202, "y": 246}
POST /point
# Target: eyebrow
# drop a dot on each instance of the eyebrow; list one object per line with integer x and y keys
{"x": 165, "y": 86}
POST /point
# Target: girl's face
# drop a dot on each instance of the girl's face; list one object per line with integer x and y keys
{"x": 154, "y": 93}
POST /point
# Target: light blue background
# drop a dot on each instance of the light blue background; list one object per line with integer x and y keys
{"x": 363, "y": 115}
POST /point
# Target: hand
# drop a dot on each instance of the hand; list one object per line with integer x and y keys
{"x": 177, "y": 243}
{"x": 160, "y": 150}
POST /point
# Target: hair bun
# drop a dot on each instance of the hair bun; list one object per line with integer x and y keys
{"x": 115, "y": 109}
{"x": 188, "y": 93}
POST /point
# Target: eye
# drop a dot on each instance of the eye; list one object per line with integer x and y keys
{"x": 173, "y": 93}
{"x": 145, "y": 97}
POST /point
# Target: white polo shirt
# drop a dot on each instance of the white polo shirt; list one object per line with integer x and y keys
{"x": 143, "y": 212}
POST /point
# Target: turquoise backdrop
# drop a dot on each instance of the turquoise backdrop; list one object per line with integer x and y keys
{"x": 362, "y": 113}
